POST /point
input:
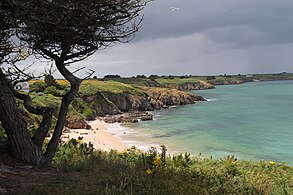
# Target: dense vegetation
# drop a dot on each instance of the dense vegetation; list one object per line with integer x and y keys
{"x": 82, "y": 170}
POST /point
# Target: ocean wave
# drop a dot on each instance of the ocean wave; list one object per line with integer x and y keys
{"x": 116, "y": 129}
{"x": 211, "y": 99}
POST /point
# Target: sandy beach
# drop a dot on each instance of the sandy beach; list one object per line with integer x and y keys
{"x": 100, "y": 138}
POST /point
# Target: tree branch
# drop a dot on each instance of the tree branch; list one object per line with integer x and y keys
{"x": 66, "y": 100}
{"x": 46, "y": 112}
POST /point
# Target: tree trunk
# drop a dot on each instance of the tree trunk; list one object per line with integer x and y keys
{"x": 4, "y": 147}
{"x": 46, "y": 113}
{"x": 66, "y": 101}
{"x": 19, "y": 139}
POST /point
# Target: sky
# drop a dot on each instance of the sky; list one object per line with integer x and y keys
{"x": 204, "y": 37}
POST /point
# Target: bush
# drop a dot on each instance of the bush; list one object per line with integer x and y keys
{"x": 74, "y": 155}
{"x": 155, "y": 172}
{"x": 38, "y": 86}
{"x": 54, "y": 91}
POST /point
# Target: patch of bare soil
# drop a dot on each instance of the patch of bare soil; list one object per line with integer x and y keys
{"x": 15, "y": 175}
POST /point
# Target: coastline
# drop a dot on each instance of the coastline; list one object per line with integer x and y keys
{"x": 118, "y": 137}
{"x": 110, "y": 136}
{"x": 98, "y": 136}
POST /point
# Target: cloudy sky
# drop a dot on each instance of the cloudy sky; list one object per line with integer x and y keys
{"x": 205, "y": 37}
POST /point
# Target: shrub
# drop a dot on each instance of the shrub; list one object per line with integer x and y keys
{"x": 38, "y": 86}
{"x": 54, "y": 91}
{"x": 74, "y": 155}
{"x": 155, "y": 172}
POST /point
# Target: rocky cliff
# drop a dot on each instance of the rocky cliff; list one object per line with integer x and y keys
{"x": 226, "y": 82}
{"x": 195, "y": 86}
{"x": 152, "y": 98}
{"x": 165, "y": 97}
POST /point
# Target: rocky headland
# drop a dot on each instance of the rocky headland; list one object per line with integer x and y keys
{"x": 129, "y": 107}
{"x": 195, "y": 86}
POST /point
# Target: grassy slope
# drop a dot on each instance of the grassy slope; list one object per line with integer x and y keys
{"x": 176, "y": 81}
{"x": 134, "y": 81}
{"x": 133, "y": 172}
{"x": 90, "y": 87}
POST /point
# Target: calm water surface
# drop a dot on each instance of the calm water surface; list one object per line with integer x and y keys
{"x": 253, "y": 121}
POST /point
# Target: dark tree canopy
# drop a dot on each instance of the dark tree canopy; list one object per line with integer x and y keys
{"x": 5, "y": 31}
{"x": 64, "y": 31}
{"x": 73, "y": 30}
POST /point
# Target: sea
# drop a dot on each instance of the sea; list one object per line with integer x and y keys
{"x": 252, "y": 121}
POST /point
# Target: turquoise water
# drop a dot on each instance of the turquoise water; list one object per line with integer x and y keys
{"x": 253, "y": 121}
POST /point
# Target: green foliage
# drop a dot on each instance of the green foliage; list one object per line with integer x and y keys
{"x": 38, "y": 86}
{"x": 210, "y": 77}
{"x": 176, "y": 81}
{"x": 156, "y": 172}
{"x": 182, "y": 161}
{"x": 50, "y": 90}
{"x": 50, "y": 81}
{"x": 82, "y": 107}
{"x": 47, "y": 100}
{"x": 54, "y": 91}
{"x": 111, "y": 76}
{"x": 74, "y": 155}
{"x": 91, "y": 87}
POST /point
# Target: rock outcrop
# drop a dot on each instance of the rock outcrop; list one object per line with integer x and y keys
{"x": 127, "y": 102}
{"x": 101, "y": 105}
{"x": 126, "y": 106}
{"x": 163, "y": 97}
{"x": 129, "y": 117}
{"x": 79, "y": 124}
{"x": 195, "y": 86}
{"x": 226, "y": 82}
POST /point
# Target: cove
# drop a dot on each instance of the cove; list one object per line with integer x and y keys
{"x": 253, "y": 121}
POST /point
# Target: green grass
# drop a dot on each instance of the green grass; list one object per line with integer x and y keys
{"x": 134, "y": 81}
{"x": 85, "y": 171}
{"x": 90, "y": 87}
{"x": 176, "y": 81}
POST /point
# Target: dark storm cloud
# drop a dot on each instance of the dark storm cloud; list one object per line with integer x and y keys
{"x": 206, "y": 37}
{"x": 245, "y": 22}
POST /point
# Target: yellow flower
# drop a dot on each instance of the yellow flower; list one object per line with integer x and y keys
{"x": 157, "y": 161}
{"x": 272, "y": 163}
{"x": 148, "y": 171}
{"x": 79, "y": 141}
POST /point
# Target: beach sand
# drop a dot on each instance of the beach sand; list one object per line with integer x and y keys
{"x": 100, "y": 138}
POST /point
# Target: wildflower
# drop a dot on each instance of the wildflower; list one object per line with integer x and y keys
{"x": 157, "y": 161}
{"x": 79, "y": 141}
{"x": 148, "y": 171}
{"x": 272, "y": 163}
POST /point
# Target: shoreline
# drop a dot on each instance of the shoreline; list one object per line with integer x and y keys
{"x": 97, "y": 135}
{"x": 110, "y": 136}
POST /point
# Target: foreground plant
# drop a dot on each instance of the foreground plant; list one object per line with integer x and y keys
{"x": 138, "y": 172}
